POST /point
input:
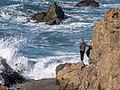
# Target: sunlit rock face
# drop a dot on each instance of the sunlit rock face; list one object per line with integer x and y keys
{"x": 104, "y": 71}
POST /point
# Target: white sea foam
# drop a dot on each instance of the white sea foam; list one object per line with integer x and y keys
{"x": 34, "y": 68}
{"x": 45, "y": 67}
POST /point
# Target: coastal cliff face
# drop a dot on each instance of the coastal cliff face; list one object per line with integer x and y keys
{"x": 106, "y": 50}
{"x": 104, "y": 72}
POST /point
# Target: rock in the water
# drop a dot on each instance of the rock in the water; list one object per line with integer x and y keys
{"x": 9, "y": 76}
{"x": 87, "y": 3}
{"x": 54, "y": 15}
{"x": 39, "y": 17}
{"x": 53, "y": 22}
{"x": 104, "y": 72}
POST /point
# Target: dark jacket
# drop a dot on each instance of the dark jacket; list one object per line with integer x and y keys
{"x": 82, "y": 46}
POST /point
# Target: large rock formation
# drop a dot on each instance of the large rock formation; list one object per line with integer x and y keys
{"x": 74, "y": 76}
{"x": 92, "y": 3}
{"x": 54, "y": 15}
{"x": 8, "y": 76}
{"x": 104, "y": 72}
{"x": 106, "y": 50}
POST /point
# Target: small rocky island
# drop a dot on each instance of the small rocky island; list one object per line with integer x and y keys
{"x": 87, "y": 3}
{"x": 54, "y": 16}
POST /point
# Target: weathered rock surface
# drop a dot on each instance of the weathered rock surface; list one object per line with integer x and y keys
{"x": 85, "y": 3}
{"x": 106, "y": 50}
{"x": 54, "y": 15}
{"x": 8, "y": 76}
{"x": 74, "y": 77}
{"x": 44, "y": 84}
{"x": 104, "y": 72}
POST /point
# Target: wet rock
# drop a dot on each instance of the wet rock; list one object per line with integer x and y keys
{"x": 53, "y": 22}
{"x": 8, "y": 76}
{"x": 38, "y": 17}
{"x": 87, "y": 3}
{"x": 54, "y": 15}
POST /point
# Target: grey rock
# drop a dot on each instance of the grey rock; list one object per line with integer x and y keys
{"x": 54, "y": 16}
{"x": 87, "y": 3}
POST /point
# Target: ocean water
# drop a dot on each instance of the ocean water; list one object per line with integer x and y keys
{"x": 35, "y": 49}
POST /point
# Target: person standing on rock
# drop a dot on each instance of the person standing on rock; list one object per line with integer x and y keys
{"x": 82, "y": 49}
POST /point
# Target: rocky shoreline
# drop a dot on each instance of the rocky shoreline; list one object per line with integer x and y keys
{"x": 102, "y": 74}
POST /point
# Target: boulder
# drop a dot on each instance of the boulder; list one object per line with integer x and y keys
{"x": 54, "y": 15}
{"x": 8, "y": 76}
{"x": 87, "y": 3}
{"x": 103, "y": 73}
{"x": 73, "y": 76}
{"x": 38, "y": 17}
{"x": 53, "y": 22}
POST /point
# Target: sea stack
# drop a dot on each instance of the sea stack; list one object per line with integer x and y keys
{"x": 104, "y": 71}
{"x": 54, "y": 15}
{"x": 87, "y": 3}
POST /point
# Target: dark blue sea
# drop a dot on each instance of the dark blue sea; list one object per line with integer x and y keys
{"x": 35, "y": 49}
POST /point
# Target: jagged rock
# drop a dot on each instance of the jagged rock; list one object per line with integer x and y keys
{"x": 54, "y": 15}
{"x": 74, "y": 76}
{"x": 8, "y": 76}
{"x": 92, "y": 3}
{"x": 104, "y": 72}
{"x": 106, "y": 50}
{"x": 61, "y": 66}
{"x": 53, "y": 22}
{"x": 39, "y": 17}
